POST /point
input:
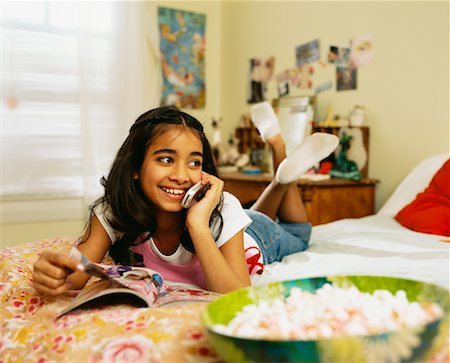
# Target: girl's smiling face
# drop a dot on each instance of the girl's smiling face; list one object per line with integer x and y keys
{"x": 172, "y": 164}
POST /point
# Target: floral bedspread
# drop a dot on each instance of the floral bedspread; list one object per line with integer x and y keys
{"x": 29, "y": 331}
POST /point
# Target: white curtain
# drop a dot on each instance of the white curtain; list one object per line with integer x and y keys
{"x": 75, "y": 75}
{"x": 135, "y": 80}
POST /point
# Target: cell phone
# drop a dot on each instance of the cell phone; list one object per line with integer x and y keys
{"x": 194, "y": 194}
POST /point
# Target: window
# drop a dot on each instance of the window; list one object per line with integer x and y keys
{"x": 75, "y": 75}
{"x": 50, "y": 52}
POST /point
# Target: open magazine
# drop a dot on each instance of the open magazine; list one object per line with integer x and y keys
{"x": 137, "y": 286}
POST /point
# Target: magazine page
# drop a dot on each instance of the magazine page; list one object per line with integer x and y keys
{"x": 138, "y": 286}
{"x": 178, "y": 293}
{"x": 102, "y": 293}
{"x": 142, "y": 279}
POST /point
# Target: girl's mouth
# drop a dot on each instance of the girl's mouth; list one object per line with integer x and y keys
{"x": 177, "y": 193}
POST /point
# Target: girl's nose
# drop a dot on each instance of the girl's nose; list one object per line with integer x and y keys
{"x": 180, "y": 174}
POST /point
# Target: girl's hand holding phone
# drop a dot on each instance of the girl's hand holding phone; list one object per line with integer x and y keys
{"x": 200, "y": 212}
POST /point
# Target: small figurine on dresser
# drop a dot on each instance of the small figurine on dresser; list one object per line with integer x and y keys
{"x": 333, "y": 120}
{"x": 343, "y": 167}
{"x": 232, "y": 160}
{"x": 357, "y": 116}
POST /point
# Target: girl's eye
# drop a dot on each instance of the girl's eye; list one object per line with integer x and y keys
{"x": 195, "y": 163}
{"x": 165, "y": 159}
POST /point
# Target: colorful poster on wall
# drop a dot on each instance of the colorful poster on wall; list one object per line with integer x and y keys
{"x": 260, "y": 72}
{"x": 339, "y": 56}
{"x": 300, "y": 77}
{"x": 182, "y": 45}
{"x": 361, "y": 50}
{"x": 345, "y": 78}
{"x": 283, "y": 86}
{"x": 307, "y": 53}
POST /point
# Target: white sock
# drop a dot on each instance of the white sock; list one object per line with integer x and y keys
{"x": 313, "y": 149}
{"x": 265, "y": 120}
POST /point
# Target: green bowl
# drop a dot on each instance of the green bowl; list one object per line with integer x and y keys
{"x": 420, "y": 344}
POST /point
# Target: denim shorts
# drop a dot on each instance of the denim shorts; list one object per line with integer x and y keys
{"x": 277, "y": 239}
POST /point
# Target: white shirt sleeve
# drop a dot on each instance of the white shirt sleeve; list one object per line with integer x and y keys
{"x": 101, "y": 212}
{"x": 234, "y": 218}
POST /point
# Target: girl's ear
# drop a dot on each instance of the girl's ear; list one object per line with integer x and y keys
{"x": 135, "y": 176}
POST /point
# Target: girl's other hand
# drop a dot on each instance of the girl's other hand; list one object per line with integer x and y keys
{"x": 51, "y": 270}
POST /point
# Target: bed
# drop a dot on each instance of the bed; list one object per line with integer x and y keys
{"x": 373, "y": 245}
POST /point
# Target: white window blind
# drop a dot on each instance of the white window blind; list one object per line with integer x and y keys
{"x": 58, "y": 63}
{"x": 74, "y": 77}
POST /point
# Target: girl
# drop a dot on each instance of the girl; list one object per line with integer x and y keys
{"x": 140, "y": 220}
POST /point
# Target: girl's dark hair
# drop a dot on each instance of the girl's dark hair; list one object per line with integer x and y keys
{"x": 128, "y": 210}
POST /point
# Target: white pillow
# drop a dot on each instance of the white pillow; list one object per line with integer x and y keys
{"x": 414, "y": 183}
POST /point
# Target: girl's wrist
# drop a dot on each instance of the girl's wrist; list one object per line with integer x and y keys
{"x": 194, "y": 222}
{"x": 197, "y": 229}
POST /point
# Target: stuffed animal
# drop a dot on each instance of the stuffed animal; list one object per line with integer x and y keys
{"x": 233, "y": 156}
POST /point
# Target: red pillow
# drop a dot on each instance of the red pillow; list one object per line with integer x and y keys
{"x": 430, "y": 211}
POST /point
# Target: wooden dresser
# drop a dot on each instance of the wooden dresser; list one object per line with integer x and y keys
{"x": 325, "y": 201}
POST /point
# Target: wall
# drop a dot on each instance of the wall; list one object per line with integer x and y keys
{"x": 405, "y": 90}
{"x": 14, "y": 234}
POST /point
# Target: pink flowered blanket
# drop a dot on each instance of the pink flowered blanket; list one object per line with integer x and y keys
{"x": 30, "y": 333}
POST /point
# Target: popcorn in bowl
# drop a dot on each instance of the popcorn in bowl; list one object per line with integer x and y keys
{"x": 331, "y": 311}
{"x": 339, "y": 319}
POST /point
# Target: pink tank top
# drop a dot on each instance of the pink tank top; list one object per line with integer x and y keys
{"x": 190, "y": 273}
